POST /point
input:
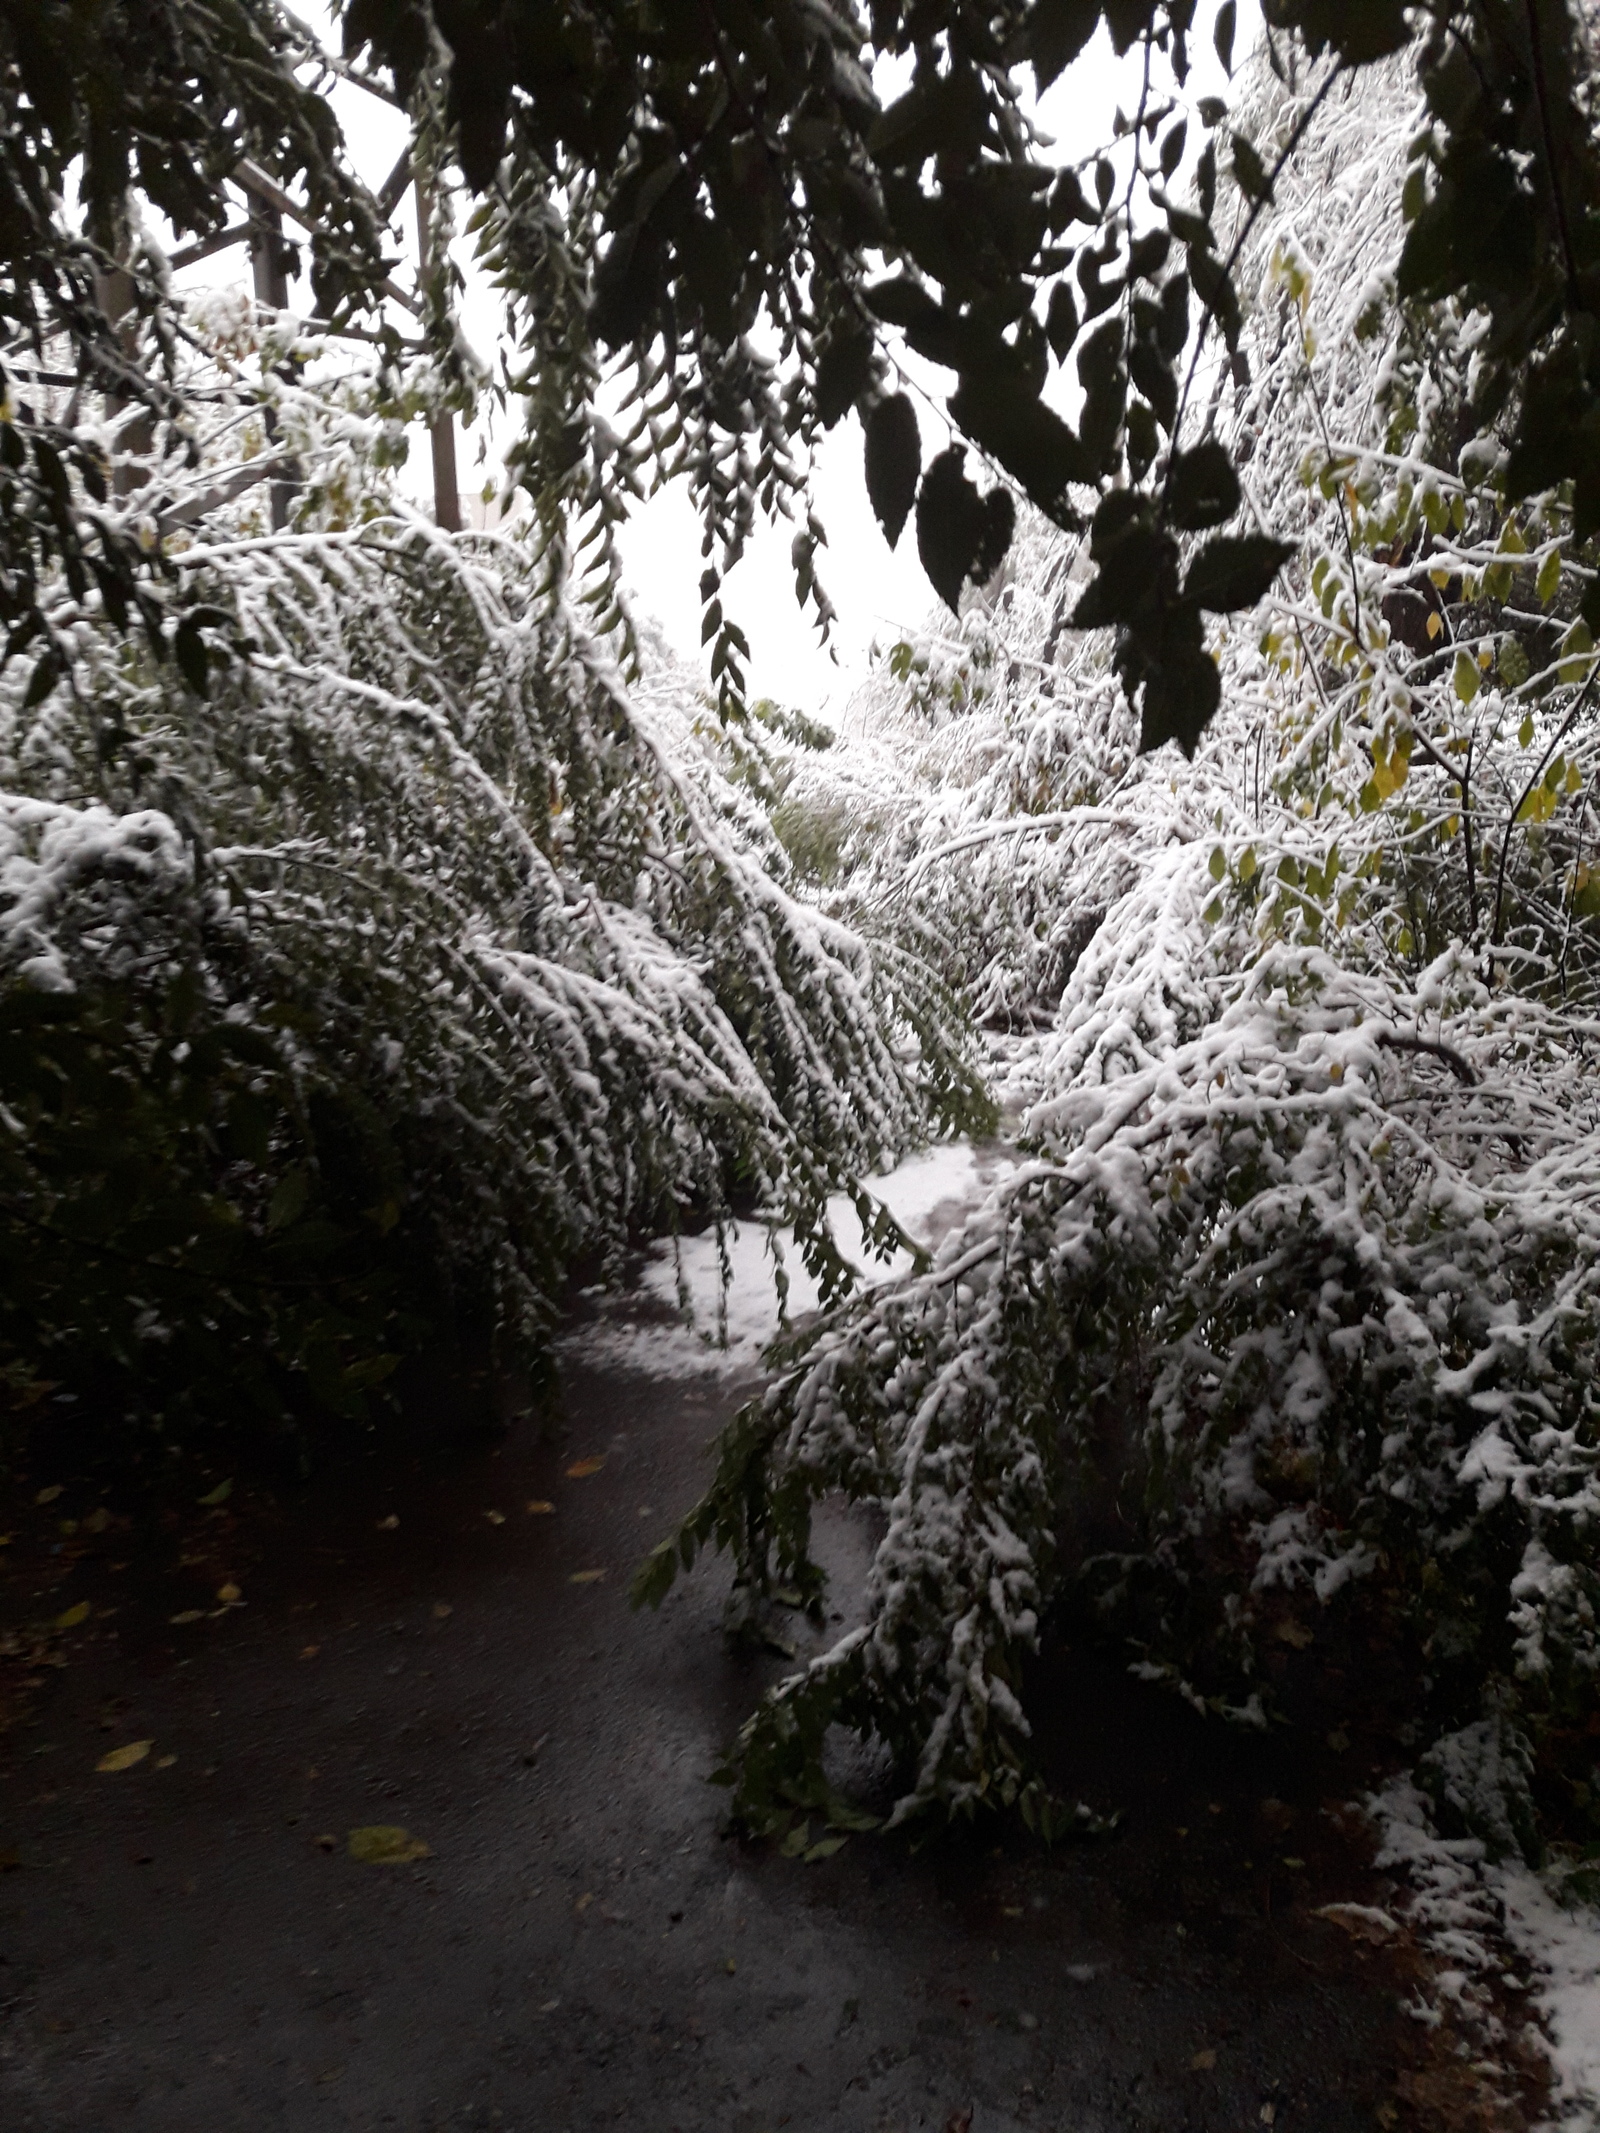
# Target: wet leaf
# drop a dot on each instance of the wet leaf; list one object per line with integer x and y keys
{"x": 124, "y": 1758}
{"x": 581, "y": 1469}
{"x": 389, "y": 1524}
{"x": 72, "y": 1616}
{"x": 495, "y": 1518}
{"x": 824, "y": 1848}
{"x": 229, "y": 1593}
{"x": 385, "y": 1844}
{"x": 1294, "y": 1633}
{"x": 48, "y": 1495}
{"x": 1203, "y": 2062}
{"x": 584, "y": 1902}
{"x": 218, "y": 1495}
{"x": 539, "y": 1508}
{"x": 165, "y": 1762}
{"x": 586, "y": 1577}
{"x": 189, "y": 1614}
{"x": 442, "y": 1610}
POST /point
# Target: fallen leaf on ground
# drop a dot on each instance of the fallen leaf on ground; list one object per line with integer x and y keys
{"x": 48, "y": 1495}
{"x": 581, "y": 1469}
{"x": 1202, "y": 2062}
{"x": 584, "y": 1902}
{"x": 586, "y": 1577}
{"x": 124, "y": 1758}
{"x": 382, "y": 1844}
{"x": 1294, "y": 1633}
{"x": 1269, "y": 2114}
{"x": 959, "y": 2121}
{"x": 495, "y": 1518}
{"x": 310, "y": 1651}
{"x": 73, "y": 1616}
{"x": 220, "y": 1494}
{"x": 442, "y": 1610}
{"x": 190, "y": 1614}
{"x": 165, "y": 1762}
{"x": 327, "y": 1842}
{"x": 228, "y": 1593}
{"x": 1362, "y": 1921}
{"x": 538, "y": 1508}
{"x": 388, "y": 1525}
{"x": 1338, "y": 1740}
{"x": 97, "y": 1520}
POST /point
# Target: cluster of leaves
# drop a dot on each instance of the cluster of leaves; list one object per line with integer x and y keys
{"x": 1303, "y": 1262}
{"x": 126, "y": 103}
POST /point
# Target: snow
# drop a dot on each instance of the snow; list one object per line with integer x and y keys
{"x": 679, "y": 1319}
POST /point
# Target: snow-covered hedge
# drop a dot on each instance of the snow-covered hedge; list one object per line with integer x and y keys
{"x": 1306, "y": 1262}
{"x": 421, "y": 957}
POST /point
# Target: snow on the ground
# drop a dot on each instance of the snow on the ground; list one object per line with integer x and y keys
{"x": 1561, "y": 1949}
{"x": 727, "y": 1327}
{"x": 1479, "y": 1920}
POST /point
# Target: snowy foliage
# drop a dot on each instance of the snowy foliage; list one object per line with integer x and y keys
{"x": 1308, "y": 1253}
{"x": 455, "y": 961}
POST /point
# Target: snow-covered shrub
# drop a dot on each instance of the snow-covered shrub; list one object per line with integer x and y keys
{"x": 402, "y": 958}
{"x": 1306, "y": 1261}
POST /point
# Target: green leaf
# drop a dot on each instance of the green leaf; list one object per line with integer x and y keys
{"x": 1202, "y": 487}
{"x": 893, "y": 463}
{"x": 1235, "y": 570}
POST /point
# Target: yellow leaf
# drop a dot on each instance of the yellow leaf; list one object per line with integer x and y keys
{"x": 581, "y": 1469}
{"x": 495, "y": 1518}
{"x": 124, "y": 1758}
{"x": 1465, "y": 678}
{"x": 586, "y": 1577}
{"x": 584, "y": 1902}
{"x": 228, "y": 1593}
{"x": 1548, "y": 582}
{"x": 73, "y": 1616}
{"x": 165, "y": 1762}
{"x": 1434, "y": 624}
{"x": 190, "y": 1614}
{"x": 383, "y": 1844}
{"x": 1203, "y": 2062}
{"x": 538, "y": 1508}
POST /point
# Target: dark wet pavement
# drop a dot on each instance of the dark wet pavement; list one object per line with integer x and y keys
{"x": 586, "y": 1946}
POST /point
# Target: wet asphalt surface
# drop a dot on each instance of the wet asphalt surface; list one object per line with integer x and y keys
{"x": 187, "y": 1944}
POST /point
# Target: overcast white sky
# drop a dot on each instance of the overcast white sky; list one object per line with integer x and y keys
{"x": 879, "y": 595}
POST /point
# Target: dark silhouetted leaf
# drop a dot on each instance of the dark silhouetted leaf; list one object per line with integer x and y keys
{"x": 894, "y": 461}
{"x": 1202, "y": 488}
{"x": 1235, "y": 570}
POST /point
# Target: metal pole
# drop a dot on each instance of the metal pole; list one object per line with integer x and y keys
{"x": 442, "y": 429}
